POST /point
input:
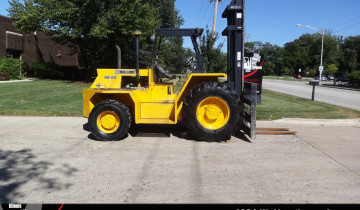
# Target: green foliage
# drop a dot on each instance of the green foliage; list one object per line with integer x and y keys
{"x": 173, "y": 55}
{"x": 340, "y": 55}
{"x": 298, "y": 54}
{"x": 312, "y": 72}
{"x": 46, "y": 71}
{"x": 53, "y": 71}
{"x": 272, "y": 54}
{"x": 287, "y": 71}
{"x": 331, "y": 69}
{"x": 92, "y": 27}
{"x": 214, "y": 59}
{"x": 348, "y": 60}
{"x": 13, "y": 67}
{"x": 253, "y": 46}
{"x": 353, "y": 43}
{"x": 354, "y": 77}
{"x": 169, "y": 16}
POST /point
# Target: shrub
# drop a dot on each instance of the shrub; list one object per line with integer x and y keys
{"x": 4, "y": 76}
{"x": 354, "y": 77}
{"x": 47, "y": 71}
{"x": 13, "y": 67}
{"x": 53, "y": 71}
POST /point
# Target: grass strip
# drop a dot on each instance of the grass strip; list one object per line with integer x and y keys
{"x": 64, "y": 98}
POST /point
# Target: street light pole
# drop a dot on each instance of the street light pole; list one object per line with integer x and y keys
{"x": 322, "y": 32}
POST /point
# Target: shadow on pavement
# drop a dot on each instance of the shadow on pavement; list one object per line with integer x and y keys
{"x": 162, "y": 131}
{"x": 17, "y": 168}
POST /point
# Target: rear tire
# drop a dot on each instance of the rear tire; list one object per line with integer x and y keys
{"x": 110, "y": 120}
{"x": 212, "y": 112}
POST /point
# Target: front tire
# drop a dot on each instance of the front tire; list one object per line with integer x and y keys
{"x": 212, "y": 112}
{"x": 110, "y": 120}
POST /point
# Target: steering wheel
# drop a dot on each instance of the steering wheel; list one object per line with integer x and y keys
{"x": 189, "y": 62}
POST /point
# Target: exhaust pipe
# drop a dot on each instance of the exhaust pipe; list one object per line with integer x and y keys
{"x": 119, "y": 56}
{"x": 137, "y": 33}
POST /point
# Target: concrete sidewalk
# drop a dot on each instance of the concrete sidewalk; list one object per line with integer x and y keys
{"x": 320, "y": 122}
{"x": 54, "y": 160}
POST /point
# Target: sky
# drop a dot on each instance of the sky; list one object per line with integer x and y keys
{"x": 272, "y": 21}
{"x": 275, "y": 21}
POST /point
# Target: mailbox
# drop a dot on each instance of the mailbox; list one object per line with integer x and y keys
{"x": 314, "y": 82}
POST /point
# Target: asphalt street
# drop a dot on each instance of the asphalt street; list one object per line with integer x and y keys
{"x": 56, "y": 160}
{"x": 340, "y": 97}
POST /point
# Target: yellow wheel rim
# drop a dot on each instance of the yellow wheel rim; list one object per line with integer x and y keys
{"x": 213, "y": 113}
{"x": 108, "y": 122}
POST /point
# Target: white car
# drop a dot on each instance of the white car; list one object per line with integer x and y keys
{"x": 323, "y": 78}
{"x": 330, "y": 77}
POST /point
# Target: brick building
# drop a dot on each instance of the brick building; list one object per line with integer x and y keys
{"x": 33, "y": 47}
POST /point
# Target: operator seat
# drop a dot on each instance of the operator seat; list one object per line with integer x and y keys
{"x": 161, "y": 73}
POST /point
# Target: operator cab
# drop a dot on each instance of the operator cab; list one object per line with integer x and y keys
{"x": 165, "y": 43}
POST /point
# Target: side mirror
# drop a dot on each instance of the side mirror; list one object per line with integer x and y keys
{"x": 152, "y": 38}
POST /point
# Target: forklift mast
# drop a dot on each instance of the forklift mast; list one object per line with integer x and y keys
{"x": 235, "y": 31}
{"x": 235, "y": 44}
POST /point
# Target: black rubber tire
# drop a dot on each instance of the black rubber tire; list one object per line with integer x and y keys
{"x": 120, "y": 110}
{"x": 201, "y": 92}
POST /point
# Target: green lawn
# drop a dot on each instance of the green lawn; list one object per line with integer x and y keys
{"x": 276, "y": 105}
{"x": 41, "y": 98}
{"x": 63, "y": 98}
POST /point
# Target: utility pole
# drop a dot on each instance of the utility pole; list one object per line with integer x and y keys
{"x": 215, "y": 14}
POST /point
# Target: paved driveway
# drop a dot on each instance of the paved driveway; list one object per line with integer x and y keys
{"x": 340, "y": 97}
{"x": 54, "y": 160}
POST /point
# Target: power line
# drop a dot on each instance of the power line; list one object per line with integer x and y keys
{"x": 202, "y": 20}
{"x": 347, "y": 21}
{"x": 348, "y": 26}
{"x": 197, "y": 21}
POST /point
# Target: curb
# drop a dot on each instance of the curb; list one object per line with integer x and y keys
{"x": 320, "y": 122}
{"x": 339, "y": 87}
{"x": 13, "y": 81}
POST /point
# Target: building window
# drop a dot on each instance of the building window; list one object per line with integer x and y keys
{"x": 13, "y": 54}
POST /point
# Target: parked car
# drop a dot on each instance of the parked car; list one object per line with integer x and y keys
{"x": 330, "y": 77}
{"x": 323, "y": 78}
{"x": 298, "y": 77}
{"x": 342, "y": 79}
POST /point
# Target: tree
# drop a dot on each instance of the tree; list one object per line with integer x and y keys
{"x": 90, "y": 27}
{"x": 173, "y": 55}
{"x": 331, "y": 69}
{"x": 332, "y": 51}
{"x": 350, "y": 58}
{"x": 214, "y": 59}
{"x": 349, "y": 61}
{"x": 273, "y": 55}
{"x": 354, "y": 77}
{"x": 312, "y": 72}
{"x": 306, "y": 52}
{"x": 251, "y": 47}
{"x": 169, "y": 16}
{"x": 353, "y": 43}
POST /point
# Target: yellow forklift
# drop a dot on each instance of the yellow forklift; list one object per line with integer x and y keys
{"x": 210, "y": 109}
